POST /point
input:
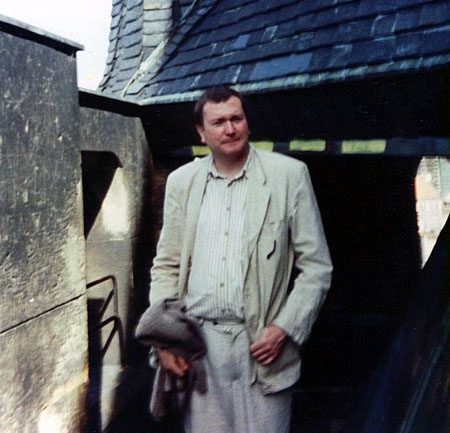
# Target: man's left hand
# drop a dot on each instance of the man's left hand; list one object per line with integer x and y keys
{"x": 269, "y": 346}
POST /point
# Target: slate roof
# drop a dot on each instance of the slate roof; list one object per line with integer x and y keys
{"x": 257, "y": 45}
{"x": 125, "y": 44}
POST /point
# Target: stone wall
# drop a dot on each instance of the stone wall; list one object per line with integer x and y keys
{"x": 43, "y": 320}
{"x": 74, "y": 230}
{"x": 116, "y": 170}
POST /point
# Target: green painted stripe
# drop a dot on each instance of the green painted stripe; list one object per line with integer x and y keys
{"x": 308, "y": 145}
{"x": 364, "y": 146}
{"x": 264, "y": 145}
{"x": 200, "y": 150}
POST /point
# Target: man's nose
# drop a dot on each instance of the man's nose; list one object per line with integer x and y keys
{"x": 229, "y": 128}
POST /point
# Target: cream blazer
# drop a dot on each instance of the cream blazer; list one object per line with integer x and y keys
{"x": 282, "y": 229}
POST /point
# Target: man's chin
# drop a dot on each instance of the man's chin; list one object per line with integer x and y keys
{"x": 237, "y": 147}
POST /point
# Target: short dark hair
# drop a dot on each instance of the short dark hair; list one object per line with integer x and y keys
{"x": 216, "y": 94}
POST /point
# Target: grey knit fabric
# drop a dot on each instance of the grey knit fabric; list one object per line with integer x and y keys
{"x": 165, "y": 325}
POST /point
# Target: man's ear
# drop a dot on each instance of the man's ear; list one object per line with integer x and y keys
{"x": 201, "y": 132}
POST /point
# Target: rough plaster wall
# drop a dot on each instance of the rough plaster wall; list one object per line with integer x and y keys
{"x": 42, "y": 305}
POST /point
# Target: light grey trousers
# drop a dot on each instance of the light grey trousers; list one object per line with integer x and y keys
{"x": 232, "y": 404}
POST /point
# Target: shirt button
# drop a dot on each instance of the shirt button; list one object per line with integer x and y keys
{"x": 226, "y": 233}
{"x": 223, "y": 259}
{"x": 228, "y": 208}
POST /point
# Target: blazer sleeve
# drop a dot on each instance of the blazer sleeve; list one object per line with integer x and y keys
{"x": 312, "y": 259}
{"x": 166, "y": 265}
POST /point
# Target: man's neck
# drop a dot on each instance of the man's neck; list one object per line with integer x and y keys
{"x": 230, "y": 167}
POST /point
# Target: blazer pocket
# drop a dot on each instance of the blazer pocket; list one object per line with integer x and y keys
{"x": 270, "y": 237}
{"x": 269, "y": 255}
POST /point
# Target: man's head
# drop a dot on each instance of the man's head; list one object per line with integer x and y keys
{"x": 214, "y": 94}
{"x": 221, "y": 122}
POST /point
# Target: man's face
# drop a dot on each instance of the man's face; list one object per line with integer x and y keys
{"x": 225, "y": 129}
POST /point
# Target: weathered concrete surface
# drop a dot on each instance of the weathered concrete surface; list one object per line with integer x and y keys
{"x": 103, "y": 131}
{"x": 115, "y": 172}
{"x": 43, "y": 315}
{"x": 111, "y": 243}
{"x": 41, "y": 259}
{"x": 111, "y": 258}
{"x": 44, "y": 373}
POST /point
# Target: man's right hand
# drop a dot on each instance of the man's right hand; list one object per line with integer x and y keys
{"x": 173, "y": 363}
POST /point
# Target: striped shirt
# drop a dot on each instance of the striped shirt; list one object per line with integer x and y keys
{"x": 215, "y": 286}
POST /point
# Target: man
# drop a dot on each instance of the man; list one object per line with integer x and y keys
{"x": 235, "y": 223}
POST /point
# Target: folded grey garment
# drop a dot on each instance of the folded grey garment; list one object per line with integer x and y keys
{"x": 165, "y": 325}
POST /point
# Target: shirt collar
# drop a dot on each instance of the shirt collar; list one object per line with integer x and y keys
{"x": 212, "y": 170}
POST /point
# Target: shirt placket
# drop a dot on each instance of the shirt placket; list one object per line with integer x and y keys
{"x": 225, "y": 283}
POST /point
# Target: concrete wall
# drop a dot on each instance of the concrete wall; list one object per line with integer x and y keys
{"x": 43, "y": 320}
{"x": 74, "y": 251}
{"x": 115, "y": 172}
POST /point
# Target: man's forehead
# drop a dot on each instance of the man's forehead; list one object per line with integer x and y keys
{"x": 231, "y": 106}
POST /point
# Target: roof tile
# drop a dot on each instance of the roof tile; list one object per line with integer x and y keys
{"x": 376, "y": 51}
{"x": 407, "y": 19}
{"x": 307, "y": 6}
{"x": 131, "y": 40}
{"x": 377, "y": 7}
{"x": 132, "y": 52}
{"x": 410, "y": 3}
{"x": 246, "y": 72}
{"x": 296, "y": 63}
{"x": 256, "y": 37}
{"x": 240, "y": 42}
{"x": 383, "y": 24}
{"x": 134, "y": 3}
{"x": 158, "y": 15}
{"x": 436, "y": 41}
{"x": 116, "y": 9}
{"x": 325, "y": 58}
{"x": 406, "y": 44}
{"x": 114, "y": 33}
{"x": 269, "y": 33}
{"x": 435, "y": 14}
{"x": 132, "y": 27}
{"x": 231, "y": 4}
{"x": 154, "y": 27}
{"x": 304, "y": 23}
{"x": 152, "y": 40}
{"x": 133, "y": 14}
{"x": 126, "y": 65}
{"x": 351, "y": 31}
{"x": 346, "y": 12}
{"x": 115, "y": 21}
{"x": 135, "y": 88}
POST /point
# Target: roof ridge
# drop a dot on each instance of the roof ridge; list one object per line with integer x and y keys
{"x": 160, "y": 55}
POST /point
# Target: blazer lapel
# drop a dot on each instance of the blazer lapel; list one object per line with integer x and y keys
{"x": 192, "y": 205}
{"x": 256, "y": 209}
{"x": 194, "y": 202}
